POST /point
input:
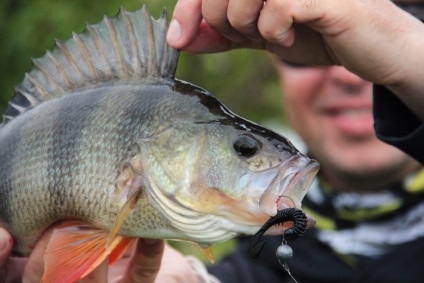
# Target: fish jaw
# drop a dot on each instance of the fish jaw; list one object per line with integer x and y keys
{"x": 290, "y": 185}
{"x": 275, "y": 189}
{"x": 264, "y": 193}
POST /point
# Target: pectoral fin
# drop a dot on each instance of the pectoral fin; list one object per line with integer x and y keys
{"x": 75, "y": 249}
{"x": 132, "y": 196}
{"x": 129, "y": 185}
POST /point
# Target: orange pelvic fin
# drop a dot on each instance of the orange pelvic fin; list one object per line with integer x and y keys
{"x": 208, "y": 253}
{"x": 75, "y": 249}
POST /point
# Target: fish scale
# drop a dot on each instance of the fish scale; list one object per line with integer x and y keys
{"x": 101, "y": 141}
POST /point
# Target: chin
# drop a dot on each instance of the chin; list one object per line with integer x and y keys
{"x": 368, "y": 170}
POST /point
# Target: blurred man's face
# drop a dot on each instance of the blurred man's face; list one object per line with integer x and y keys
{"x": 331, "y": 109}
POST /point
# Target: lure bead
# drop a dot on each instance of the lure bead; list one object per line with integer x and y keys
{"x": 284, "y": 252}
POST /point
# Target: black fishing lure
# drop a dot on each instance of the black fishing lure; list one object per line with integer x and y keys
{"x": 289, "y": 214}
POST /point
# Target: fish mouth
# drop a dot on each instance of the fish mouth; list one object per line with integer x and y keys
{"x": 272, "y": 190}
{"x": 289, "y": 186}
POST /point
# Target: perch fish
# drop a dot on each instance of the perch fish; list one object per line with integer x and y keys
{"x": 101, "y": 137}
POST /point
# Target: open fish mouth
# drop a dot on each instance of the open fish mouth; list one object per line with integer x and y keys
{"x": 289, "y": 185}
{"x": 282, "y": 201}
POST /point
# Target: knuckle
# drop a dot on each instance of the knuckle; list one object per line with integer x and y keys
{"x": 273, "y": 34}
{"x": 213, "y": 19}
{"x": 267, "y": 32}
{"x": 241, "y": 24}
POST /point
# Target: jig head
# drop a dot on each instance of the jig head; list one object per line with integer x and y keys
{"x": 289, "y": 214}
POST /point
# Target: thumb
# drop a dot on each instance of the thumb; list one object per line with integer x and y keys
{"x": 6, "y": 245}
{"x": 35, "y": 266}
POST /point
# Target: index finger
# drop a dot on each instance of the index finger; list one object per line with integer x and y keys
{"x": 146, "y": 261}
{"x": 185, "y": 23}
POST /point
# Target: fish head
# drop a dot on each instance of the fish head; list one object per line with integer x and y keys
{"x": 227, "y": 171}
{"x": 250, "y": 176}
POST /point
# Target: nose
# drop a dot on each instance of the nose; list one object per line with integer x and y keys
{"x": 346, "y": 80}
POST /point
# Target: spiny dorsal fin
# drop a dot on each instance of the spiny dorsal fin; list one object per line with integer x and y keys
{"x": 127, "y": 48}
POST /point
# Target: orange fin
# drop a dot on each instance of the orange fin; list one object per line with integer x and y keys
{"x": 75, "y": 249}
{"x": 120, "y": 249}
{"x": 208, "y": 253}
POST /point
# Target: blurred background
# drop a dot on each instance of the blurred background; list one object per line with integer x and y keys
{"x": 244, "y": 80}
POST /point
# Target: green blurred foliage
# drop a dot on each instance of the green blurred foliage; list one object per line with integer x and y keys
{"x": 244, "y": 80}
{"x": 218, "y": 250}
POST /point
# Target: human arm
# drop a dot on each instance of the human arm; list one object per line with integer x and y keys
{"x": 374, "y": 39}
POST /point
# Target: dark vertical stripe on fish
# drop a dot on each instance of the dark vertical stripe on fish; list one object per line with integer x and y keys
{"x": 131, "y": 123}
{"x": 9, "y": 138}
{"x": 74, "y": 115}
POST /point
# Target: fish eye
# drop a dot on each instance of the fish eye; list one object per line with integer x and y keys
{"x": 246, "y": 145}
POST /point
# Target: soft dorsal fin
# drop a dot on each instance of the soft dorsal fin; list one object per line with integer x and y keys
{"x": 127, "y": 48}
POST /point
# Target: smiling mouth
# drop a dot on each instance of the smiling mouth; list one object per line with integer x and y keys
{"x": 357, "y": 122}
{"x": 350, "y": 112}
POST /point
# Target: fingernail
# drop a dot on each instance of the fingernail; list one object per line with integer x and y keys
{"x": 174, "y": 32}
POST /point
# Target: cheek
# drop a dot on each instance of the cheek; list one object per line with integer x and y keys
{"x": 300, "y": 94}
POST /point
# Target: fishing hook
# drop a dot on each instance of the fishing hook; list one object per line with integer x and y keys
{"x": 289, "y": 214}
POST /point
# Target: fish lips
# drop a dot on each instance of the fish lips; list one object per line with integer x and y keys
{"x": 285, "y": 185}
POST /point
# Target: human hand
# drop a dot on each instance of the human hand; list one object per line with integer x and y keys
{"x": 140, "y": 264}
{"x": 9, "y": 271}
{"x": 367, "y": 37}
{"x": 148, "y": 264}
{"x": 33, "y": 267}
{"x": 22, "y": 269}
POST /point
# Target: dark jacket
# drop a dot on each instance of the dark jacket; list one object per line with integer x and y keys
{"x": 397, "y": 125}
